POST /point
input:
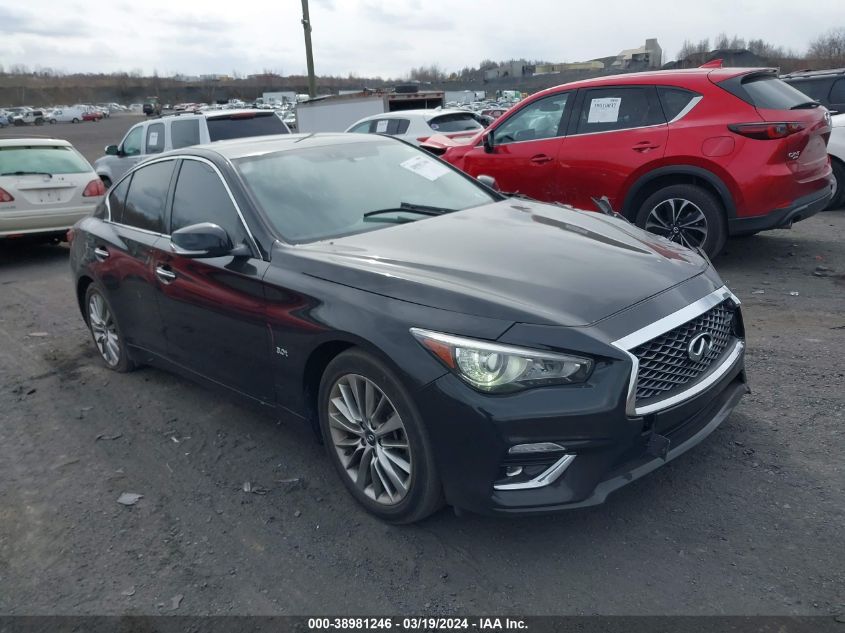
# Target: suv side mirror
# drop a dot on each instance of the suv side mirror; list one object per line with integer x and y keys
{"x": 112, "y": 150}
{"x": 489, "y": 146}
{"x": 203, "y": 240}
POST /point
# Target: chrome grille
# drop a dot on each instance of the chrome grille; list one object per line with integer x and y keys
{"x": 664, "y": 363}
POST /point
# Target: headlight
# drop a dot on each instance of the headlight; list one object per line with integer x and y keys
{"x": 501, "y": 368}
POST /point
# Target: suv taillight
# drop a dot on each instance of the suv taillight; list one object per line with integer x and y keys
{"x": 766, "y": 131}
{"x": 94, "y": 188}
{"x": 5, "y": 196}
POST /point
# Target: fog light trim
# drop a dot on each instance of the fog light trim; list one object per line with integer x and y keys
{"x": 540, "y": 447}
{"x": 548, "y": 476}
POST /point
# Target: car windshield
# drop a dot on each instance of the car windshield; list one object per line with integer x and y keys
{"x": 318, "y": 193}
{"x": 42, "y": 159}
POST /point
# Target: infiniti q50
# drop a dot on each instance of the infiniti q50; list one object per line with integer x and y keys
{"x": 447, "y": 343}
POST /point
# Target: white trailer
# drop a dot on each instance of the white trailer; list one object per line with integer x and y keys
{"x": 337, "y": 112}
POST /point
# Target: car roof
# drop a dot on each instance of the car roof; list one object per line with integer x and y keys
{"x": 668, "y": 77}
{"x": 421, "y": 113}
{"x": 34, "y": 141}
{"x": 252, "y": 145}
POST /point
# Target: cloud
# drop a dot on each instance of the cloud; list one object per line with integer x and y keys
{"x": 43, "y": 24}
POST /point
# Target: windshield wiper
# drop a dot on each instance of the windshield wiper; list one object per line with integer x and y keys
{"x": 26, "y": 173}
{"x": 806, "y": 105}
{"x": 421, "y": 209}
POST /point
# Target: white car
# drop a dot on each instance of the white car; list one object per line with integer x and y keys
{"x": 415, "y": 126}
{"x": 836, "y": 149}
{"x": 46, "y": 186}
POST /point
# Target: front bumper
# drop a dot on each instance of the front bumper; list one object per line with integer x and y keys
{"x": 800, "y": 209}
{"x": 471, "y": 434}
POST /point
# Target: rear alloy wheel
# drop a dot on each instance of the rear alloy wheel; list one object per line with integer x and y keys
{"x": 838, "y": 199}
{"x": 105, "y": 331}
{"x": 686, "y": 214}
{"x": 376, "y": 441}
{"x": 75, "y": 120}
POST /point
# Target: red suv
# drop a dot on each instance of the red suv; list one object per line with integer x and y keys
{"x": 693, "y": 155}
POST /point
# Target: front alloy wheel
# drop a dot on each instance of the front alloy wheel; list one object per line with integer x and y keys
{"x": 376, "y": 438}
{"x": 370, "y": 439}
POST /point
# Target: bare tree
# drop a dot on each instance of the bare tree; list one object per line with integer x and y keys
{"x": 829, "y": 49}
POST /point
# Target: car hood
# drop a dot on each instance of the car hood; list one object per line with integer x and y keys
{"x": 514, "y": 260}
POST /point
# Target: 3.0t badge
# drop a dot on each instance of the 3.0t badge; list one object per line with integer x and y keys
{"x": 699, "y": 346}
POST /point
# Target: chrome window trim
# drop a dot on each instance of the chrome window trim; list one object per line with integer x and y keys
{"x": 693, "y": 102}
{"x": 661, "y": 326}
{"x": 254, "y": 244}
{"x": 548, "y": 476}
{"x": 621, "y": 129}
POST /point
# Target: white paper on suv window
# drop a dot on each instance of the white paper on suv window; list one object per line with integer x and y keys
{"x": 605, "y": 110}
{"x": 153, "y": 140}
{"x": 425, "y": 167}
{"x": 381, "y": 127}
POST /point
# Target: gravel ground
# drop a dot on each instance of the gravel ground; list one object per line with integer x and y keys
{"x": 749, "y": 522}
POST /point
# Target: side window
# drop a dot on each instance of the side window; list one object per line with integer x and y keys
{"x": 147, "y": 197}
{"x": 813, "y": 88}
{"x": 132, "y": 142}
{"x": 538, "y": 120}
{"x": 155, "y": 138}
{"x": 608, "y": 109}
{"x": 837, "y": 92}
{"x": 184, "y": 133}
{"x": 674, "y": 100}
{"x": 201, "y": 197}
{"x": 361, "y": 128}
{"x": 117, "y": 196}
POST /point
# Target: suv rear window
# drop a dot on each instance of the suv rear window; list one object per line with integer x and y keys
{"x": 242, "y": 125}
{"x": 764, "y": 91}
{"x": 52, "y": 160}
{"x": 455, "y": 122}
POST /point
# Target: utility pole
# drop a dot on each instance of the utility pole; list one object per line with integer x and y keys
{"x": 309, "y": 56}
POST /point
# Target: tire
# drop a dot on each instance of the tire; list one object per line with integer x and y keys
{"x": 106, "y": 182}
{"x": 409, "y": 455}
{"x": 117, "y": 357}
{"x": 687, "y": 203}
{"x": 838, "y": 200}
{"x": 52, "y": 121}
{"x": 75, "y": 120}
{"x": 39, "y": 121}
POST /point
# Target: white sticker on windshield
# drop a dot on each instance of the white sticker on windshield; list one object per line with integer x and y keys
{"x": 153, "y": 139}
{"x": 381, "y": 127}
{"x": 425, "y": 167}
{"x": 604, "y": 110}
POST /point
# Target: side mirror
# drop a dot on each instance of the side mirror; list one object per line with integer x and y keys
{"x": 488, "y": 142}
{"x": 201, "y": 240}
{"x": 112, "y": 150}
{"x": 488, "y": 181}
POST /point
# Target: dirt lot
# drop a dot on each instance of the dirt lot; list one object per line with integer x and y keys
{"x": 750, "y": 522}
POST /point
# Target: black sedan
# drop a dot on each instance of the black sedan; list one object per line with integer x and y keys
{"x": 449, "y": 344}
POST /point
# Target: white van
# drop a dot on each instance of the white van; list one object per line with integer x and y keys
{"x": 65, "y": 115}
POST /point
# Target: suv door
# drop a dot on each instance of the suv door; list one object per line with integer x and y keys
{"x": 213, "y": 308}
{"x": 526, "y": 145}
{"x": 126, "y": 254}
{"x": 615, "y": 134}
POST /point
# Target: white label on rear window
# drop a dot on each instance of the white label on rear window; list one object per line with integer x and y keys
{"x": 153, "y": 140}
{"x": 425, "y": 167}
{"x": 605, "y": 110}
{"x": 381, "y": 127}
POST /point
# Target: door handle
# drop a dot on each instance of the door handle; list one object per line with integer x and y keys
{"x": 101, "y": 253}
{"x": 644, "y": 146}
{"x": 540, "y": 159}
{"x": 165, "y": 275}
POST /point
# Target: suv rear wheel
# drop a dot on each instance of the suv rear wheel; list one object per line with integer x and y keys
{"x": 838, "y": 199}
{"x": 686, "y": 214}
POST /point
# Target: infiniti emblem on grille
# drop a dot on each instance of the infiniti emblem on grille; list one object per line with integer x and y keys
{"x": 699, "y": 346}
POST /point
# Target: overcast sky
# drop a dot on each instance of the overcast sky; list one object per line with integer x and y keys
{"x": 377, "y": 37}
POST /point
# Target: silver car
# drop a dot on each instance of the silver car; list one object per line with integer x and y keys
{"x": 45, "y": 187}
